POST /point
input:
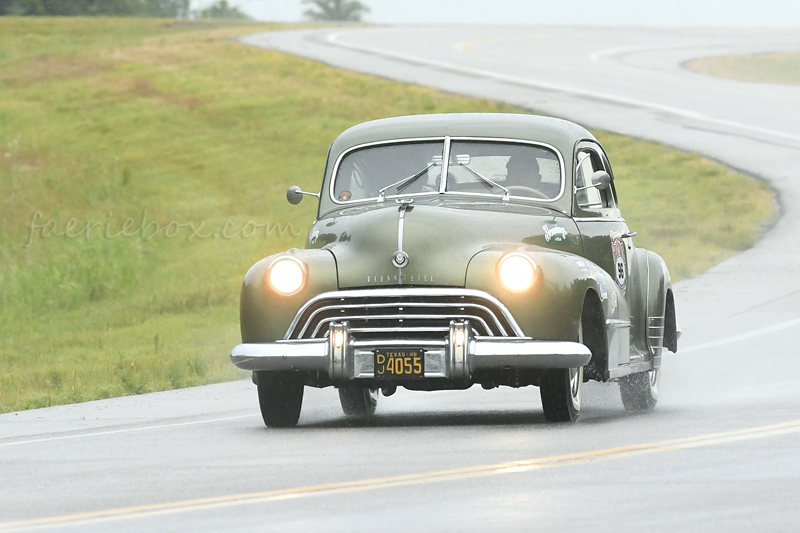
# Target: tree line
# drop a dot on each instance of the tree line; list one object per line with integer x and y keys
{"x": 322, "y": 10}
{"x": 71, "y": 8}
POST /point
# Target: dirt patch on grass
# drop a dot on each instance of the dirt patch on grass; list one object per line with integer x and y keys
{"x": 144, "y": 88}
{"x": 51, "y": 69}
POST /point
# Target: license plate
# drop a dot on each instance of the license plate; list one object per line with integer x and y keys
{"x": 399, "y": 363}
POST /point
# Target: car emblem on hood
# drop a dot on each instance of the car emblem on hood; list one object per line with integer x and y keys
{"x": 400, "y": 259}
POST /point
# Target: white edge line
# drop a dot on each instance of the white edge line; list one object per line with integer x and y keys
{"x": 742, "y": 337}
{"x": 117, "y": 431}
{"x": 334, "y": 38}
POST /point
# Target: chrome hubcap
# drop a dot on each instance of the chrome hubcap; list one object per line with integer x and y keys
{"x": 373, "y": 395}
{"x": 575, "y": 386}
{"x": 653, "y": 376}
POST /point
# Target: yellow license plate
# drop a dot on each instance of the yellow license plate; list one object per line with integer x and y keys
{"x": 399, "y": 364}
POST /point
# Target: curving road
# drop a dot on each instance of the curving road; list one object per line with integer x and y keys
{"x": 720, "y": 452}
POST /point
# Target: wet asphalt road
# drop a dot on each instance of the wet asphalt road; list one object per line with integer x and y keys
{"x": 720, "y": 452}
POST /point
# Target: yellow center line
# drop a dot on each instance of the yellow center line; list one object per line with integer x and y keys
{"x": 439, "y": 476}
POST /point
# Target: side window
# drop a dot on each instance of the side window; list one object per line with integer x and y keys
{"x": 589, "y": 162}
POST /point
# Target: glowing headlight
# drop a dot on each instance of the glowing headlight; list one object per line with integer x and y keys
{"x": 516, "y": 272}
{"x": 287, "y": 275}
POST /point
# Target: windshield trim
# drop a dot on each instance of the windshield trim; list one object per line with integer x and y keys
{"x": 447, "y": 141}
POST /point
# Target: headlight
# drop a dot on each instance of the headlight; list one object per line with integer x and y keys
{"x": 287, "y": 275}
{"x": 516, "y": 272}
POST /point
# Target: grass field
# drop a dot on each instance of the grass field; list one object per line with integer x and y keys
{"x": 782, "y": 68}
{"x": 127, "y": 145}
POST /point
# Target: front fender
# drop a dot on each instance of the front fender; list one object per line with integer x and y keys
{"x": 551, "y": 308}
{"x": 265, "y": 315}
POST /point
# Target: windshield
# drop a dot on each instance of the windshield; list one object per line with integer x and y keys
{"x": 364, "y": 173}
{"x": 485, "y": 167}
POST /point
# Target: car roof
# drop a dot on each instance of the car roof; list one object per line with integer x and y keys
{"x": 559, "y": 133}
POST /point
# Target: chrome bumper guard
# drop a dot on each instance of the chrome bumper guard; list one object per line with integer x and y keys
{"x": 456, "y": 356}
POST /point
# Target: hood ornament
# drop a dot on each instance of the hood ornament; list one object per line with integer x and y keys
{"x": 400, "y": 258}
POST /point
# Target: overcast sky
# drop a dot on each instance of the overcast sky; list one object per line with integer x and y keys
{"x": 604, "y": 12}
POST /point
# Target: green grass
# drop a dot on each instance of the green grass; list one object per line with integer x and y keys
{"x": 776, "y": 67}
{"x": 104, "y": 120}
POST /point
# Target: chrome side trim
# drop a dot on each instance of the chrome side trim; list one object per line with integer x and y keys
{"x": 655, "y": 332}
{"x": 632, "y": 368}
{"x": 613, "y": 323}
{"x": 598, "y": 219}
{"x": 407, "y": 293}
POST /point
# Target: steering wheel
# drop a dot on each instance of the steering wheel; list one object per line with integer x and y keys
{"x": 527, "y": 191}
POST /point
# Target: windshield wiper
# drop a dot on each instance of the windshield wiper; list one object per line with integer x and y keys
{"x": 486, "y": 181}
{"x": 403, "y": 183}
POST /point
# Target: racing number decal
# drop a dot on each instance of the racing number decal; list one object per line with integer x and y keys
{"x": 620, "y": 269}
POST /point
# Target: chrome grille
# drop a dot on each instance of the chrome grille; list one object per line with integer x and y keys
{"x": 408, "y": 313}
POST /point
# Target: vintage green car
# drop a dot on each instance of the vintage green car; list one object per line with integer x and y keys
{"x": 515, "y": 269}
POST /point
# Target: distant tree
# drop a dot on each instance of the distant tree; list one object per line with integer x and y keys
{"x": 6, "y": 7}
{"x": 336, "y": 10}
{"x": 72, "y": 8}
{"x": 222, "y": 10}
{"x": 167, "y": 8}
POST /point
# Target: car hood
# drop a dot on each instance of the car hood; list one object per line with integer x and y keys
{"x": 440, "y": 240}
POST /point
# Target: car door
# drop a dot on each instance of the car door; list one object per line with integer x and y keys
{"x": 608, "y": 242}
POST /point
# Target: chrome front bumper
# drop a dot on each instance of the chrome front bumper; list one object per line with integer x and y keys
{"x": 457, "y": 356}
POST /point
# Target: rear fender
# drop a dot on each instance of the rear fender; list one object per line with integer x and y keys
{"x": 659, "y": 289}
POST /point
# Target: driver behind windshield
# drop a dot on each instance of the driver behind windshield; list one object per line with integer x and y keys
{"x": 523, "y": 170}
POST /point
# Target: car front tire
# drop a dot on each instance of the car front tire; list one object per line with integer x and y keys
{"x": 561, "y": 391}
{"x": 280, "y": 396}
{"x": 358, "y": 401}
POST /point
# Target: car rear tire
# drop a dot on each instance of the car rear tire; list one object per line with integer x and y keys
{"x": 639, "y": 391}
{"x": 280, "y": 396}
{"x": 358, "y": 401}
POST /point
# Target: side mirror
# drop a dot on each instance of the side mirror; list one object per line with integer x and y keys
{"x": 294, "y": 195}
{"x": 601, "y": 180}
